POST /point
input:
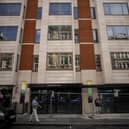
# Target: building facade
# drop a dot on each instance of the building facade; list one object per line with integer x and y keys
{"x": 68, "y": 53}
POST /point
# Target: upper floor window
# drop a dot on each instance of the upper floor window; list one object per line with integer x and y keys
{"x": 60, "y": 9}
{"x": 118, "y": 32}
{"x": 116, "y": 8}
{"x": 59, "y": 32}
{"x": 6, "y": 61}
{"x": 120, "y": 60}
{"x": 39, "y": 13}
{"x": 59, "y": 61}
{"x": 75, "y": 12}
{"x": 77, "y": 62}
{"x": 98, "y": 63}
{"x": 95, "y": 35}
{"x": 10, "y": 9}
{"x": 76, "y": 36}
{"x": 37, "y": 36}
{"x": 93, "y": 14}
{"x": 17, "y": 63}
{"x": 8, "y": 33}
{"x": 35, "y": 63}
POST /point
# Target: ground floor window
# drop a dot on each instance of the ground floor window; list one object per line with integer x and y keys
{"x": 66, "y": 101}
{"x": 5, "y": 97}
{"x": 114, "y": 100}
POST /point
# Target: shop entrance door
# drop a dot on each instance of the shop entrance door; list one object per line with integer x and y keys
{"x": 58, "y": 101}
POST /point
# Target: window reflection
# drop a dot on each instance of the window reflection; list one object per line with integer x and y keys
{"x": 120, "y": 60}
{"x": 75, "y": 13}
{"x": 39, "y": 13}
{"x": 118, "y": 32}
{"x": 95, "y": 35}
{"x": 60, "y": 9}
{"x": 6, "y": 61}
{"x": 8, "y": 33}
{"x": 59, "y": 33}
{"x": 76, "y": 35}
{"x": 35, "y": 63}
{"x": 37, "y": 36}
{"x": 10, "y": 9}
{"x": 59, "y": 61}
{"x": 77, "y": 62}
{"x": 98, "y": 63}
{"x": 115, "y": 8}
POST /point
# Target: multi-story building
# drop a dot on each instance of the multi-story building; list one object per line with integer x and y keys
{"x": 67, "y": 52}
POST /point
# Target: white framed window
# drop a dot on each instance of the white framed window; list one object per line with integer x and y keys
{"x": 35, "y": 63}
{"x": 59, "y": 61}
{"x": 98, "y": 63}
{"x": 8, "y": 33}
{"x": 118, "y": 32}
{"x": 120, "y": 60}
{"x": 77, "y": 62}
{"x": 60, "y": 9}
{"x": 60, "y": 32}
{"x": 95, "y": 35}
{"x": 76, "y": 35}
{"x": 6, "y": 61}
{"x": 93, "y": 13}
{"x": 116, "y": 9}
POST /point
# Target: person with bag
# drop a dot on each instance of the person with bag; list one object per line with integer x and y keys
{"x": 35, "y": 106}
{"x": 98, "y": 105}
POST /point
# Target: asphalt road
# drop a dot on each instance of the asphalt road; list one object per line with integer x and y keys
{"x": 68, "y": 127}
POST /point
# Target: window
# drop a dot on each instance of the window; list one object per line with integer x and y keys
{"x": 76, "y": 36}
{"x": 77, "y": 62}
{"x": 10, "y": 9}
{"x": 98, "y": 63}
{"x": 37, "y": 36}
{"x": 8, "y": 33}
{"x": 75, "y": 13}
{"x": 60, "y": 9}
{"x": 35, "y": 63}
{"x": 116, "y": 8}
{"x": 59, "y": 61}
{"x": 118, "y": 32}
{"x": 93, "y": 14}
{"x": 21, "y": 36}
{"x": 120, "y": 60}
{"x": 39, "y": 13}
{"x": 59, "y": 33}
{"x": 95, "y": 36}
{"x": 17, "y": 64}
{"x": 6, "y": 61}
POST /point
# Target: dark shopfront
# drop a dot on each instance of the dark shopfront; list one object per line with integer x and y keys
{"x": 114, "y": 99}
{"x": 6, "y": 96}
{"x": 67, "y": 99}
{"x": 58, "y": 100}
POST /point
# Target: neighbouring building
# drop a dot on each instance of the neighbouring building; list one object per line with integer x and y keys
{"x": 66, "y": 52}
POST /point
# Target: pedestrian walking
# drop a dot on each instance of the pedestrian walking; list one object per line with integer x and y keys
{"x": 35, "y": 106}
{"x": 98, "y": 105}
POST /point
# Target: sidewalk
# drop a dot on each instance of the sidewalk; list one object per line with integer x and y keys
{"x": 62, "y": 119}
